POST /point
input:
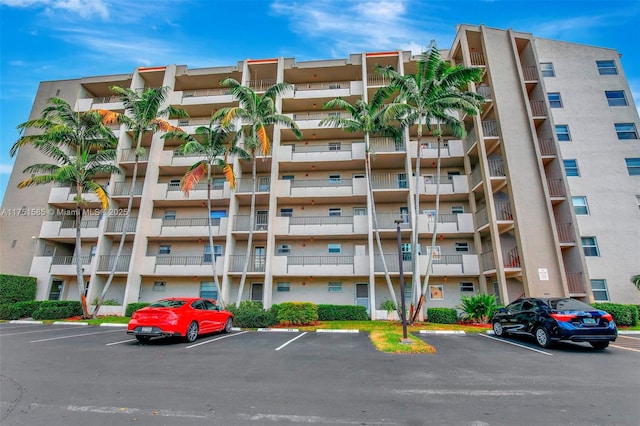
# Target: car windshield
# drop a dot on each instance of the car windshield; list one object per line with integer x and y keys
{"x": 569, "y": 305}
{"x": 168, "y": 303}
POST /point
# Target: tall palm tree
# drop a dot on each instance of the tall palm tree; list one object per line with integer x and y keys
{"x": 82, "y": 147}
{"x": 365, "y": 118}
{"x": 635, "y": 279}
{"x": 214, "y": 146}
{"x": 254, "y": 114}
{"x": 143, "y": 114}
{"x": 433, "y": 94}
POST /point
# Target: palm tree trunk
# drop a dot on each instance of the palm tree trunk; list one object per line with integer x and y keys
{"x": 374, "y": 217}
{"x": 425, "y": 284}
{"x": 213, "y": 257}
{"x": 252, "y": 213}
{"x": 125, "y": 226}
{"x": 77, "y": 253}
{"x": 415, "y": 281}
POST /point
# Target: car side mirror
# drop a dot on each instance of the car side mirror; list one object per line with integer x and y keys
{"x": 503, "y": 310}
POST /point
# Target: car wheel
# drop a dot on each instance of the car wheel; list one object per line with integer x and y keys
{"x": 599, "y": 345}
{"x": 542, "y": 337}
{"x": 143, "y": 339}
{"x": 192, "y": 332}
{"x": 498, "y": 330}
{"x": 228, "y": 325}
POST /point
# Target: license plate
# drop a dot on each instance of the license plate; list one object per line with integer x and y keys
{"x": 589, "y": 320}
{"x": 146, "y": 329}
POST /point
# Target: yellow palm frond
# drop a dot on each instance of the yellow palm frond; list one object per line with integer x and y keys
{"x": 108, "y": 117}
{"x": 102, "y": 196}
{"x": 25, "y": 183}
{"x": 229, "y": 117}
{"x": 265, "y": 145}
{"x": 228, "y": 174}
{"x": 164, "y": 125}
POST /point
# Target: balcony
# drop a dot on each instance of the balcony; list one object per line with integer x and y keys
{"x": 111, "y": 103}
{"x": 538, "y": 109}
{"x": 441, "y": 265}
{"x": 530, "y": 73}
{"x": 65, "y": 197}
{"x": 256, "y": 263}
{"x": 477, "y": 59}
{"x": 386, "y": 145}
{"x": 448, "y": 149}
{"x": 183, "y": 266}
{"x": 242, "y": 223}
{"x": 66, "y": 265}
{"x": 116, "y": 224}
{"x": 490, "y": 129}
{"x": 448, "y": 224}
{"x": 326, "y": 152}
{"x": 557, "y": 190}
{"x": 123, "y": 189}
{"x": 576, "y": 284}
{"x": 197, "y": 227}
{"x": 331, "y": 89}
{"x": 106, "y": 263}
{"x": 172, "y": 191}
{"x": 566, "y": 234}
{"x": 510, "y": 257}
{"x": 322, "y": 188}
{"x": 66, "y": 228}
{"x": 315, "y": 266}
{"x": 451, "y": 186}
{"x": 320, "y": 225}
{"x": 547, "y": 149}
{"x": 485, "y": 91}
{"x": 129, "y": 156}
{"x": 311, "y": 119}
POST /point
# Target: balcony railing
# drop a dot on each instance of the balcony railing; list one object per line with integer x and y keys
{"x": 320, "y": 183}
{"x": 530, "y": 73}
{"x": 476, "y": 176}
{"x": 68, "y": 223}
{"x": 116, "y": 224}
{"x": 386, "y": 145}
{"x": 325, "y": 85}
{"x": 374, "y": 80}
{"x": 70, "y": 260}
{"x": 190, "y": 221}
{"x": 575, "y": 282}
{"x": 389, "y": 181}
{"x": 121, "y": 189}
{"x": 503, "y": 211}
{"x": 315, "y": 115}
{"x": 183, "y": 260}
{"x": 196, "y": 121}
{"x": 320, "y": 220}
{"x": 496, "y": 168}
{"x": 393, "y": 263}
{"x": 538, "y": 108}
{"x": 470, "y": 139}
{"x": 246, "y": 185}
{"x": 129, "y": 154}
{"x": 261, "y": 85}
{"x": 477, "y": 58}
{"x": 206, "y": 92}
{"x": 556, "y": 188}
{"x": 107, "y": 261}
{"x": 106, "y": 99}
{"x": 242, "y": 222}
{"x": 565, "y": 233}
{"x": 330, "y": 147}
{"x": 388, "y": 221}
{"x": 256, "y": 263}
{"x": 511, "y": 258}
{"x": 485, "y": 91}
{"x": 490, "y": 128}
{"x": 482, "y": 217}
{"x": 319, "y": 260}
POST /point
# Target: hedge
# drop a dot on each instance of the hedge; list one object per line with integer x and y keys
{"x": 442, "y": 315}
{"x": 297, "y": 313}
{"x": 626, "y": 315}
{"x": 132, "y": 307}
{"x": 250, "y": 314}
{"x": 16, "y": 288}
{"x": 57, "y": 309}
{"x": 342, "y": 313}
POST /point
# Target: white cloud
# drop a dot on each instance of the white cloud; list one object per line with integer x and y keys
{"x": 84, "y": 8}
{"x": 5, "y": 169}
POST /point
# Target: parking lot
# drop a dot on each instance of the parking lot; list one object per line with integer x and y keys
{"x": 84, "y": 375}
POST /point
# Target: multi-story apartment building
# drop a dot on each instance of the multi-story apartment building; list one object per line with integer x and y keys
{"x": 540, "y": 199}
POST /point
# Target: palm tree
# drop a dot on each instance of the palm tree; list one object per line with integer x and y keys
{"x": 635, "y": 279}
{"x": 214, "y": 146}
{"x": 142, "y": 115}
{"x": 255, "y": 113}
{"x": 433, "y": 93}
{"x": 82, "y": 147}
{"x": 365, "y": 118}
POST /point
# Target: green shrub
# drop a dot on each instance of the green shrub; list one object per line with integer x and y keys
{"x": 132, "y": 307}
{"x": 250, "y": 314}
{"x": 107, "y": 302}
{"x": 15, "y": 288}
{"x": 6, "y": 311}
{"x": 388, "y": 306}
{"x": 442, "y": 315}
{"x": 297, "y": 313}
{"x": 626, "y": 315}
{"x": 342, "y": 313}
{"x": 24, "y": 309}
{"x": 479, "y": 308}
{"x": 57, "y": 309}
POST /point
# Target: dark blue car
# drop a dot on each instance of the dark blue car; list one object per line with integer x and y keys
{"x": 554, "y": 319}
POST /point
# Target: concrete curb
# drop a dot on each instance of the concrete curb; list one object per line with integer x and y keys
{"x": 69, "y": 323}
{"x": 25, "y": 322}
{"x": 322, "y": 330}
{"x": 108, "y": 324}
{"x": 280, "y": 330}
{"x": 442, "y": 332}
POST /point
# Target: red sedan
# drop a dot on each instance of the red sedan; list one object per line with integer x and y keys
{"x": 185, "y": 317}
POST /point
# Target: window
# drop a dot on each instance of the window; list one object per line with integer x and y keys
{"x": 633, "y": 166}
{"x": 590, "y": 246}
{"x": 359, "y": 211}
{"x": 334, "y": 248}
{"x": 170, "y": 215}
{"x": 462, "y": 247}
{"x": 284, "y": 248}
{"x": 457, "y": 209}
{"x": 571, "y": 167}
{"x": 335, "y": 178}
{"x": 406, "y": 251}
{"x": 616, "y": 98}
{"x": 335, "y": 211}
{"x": 208, "y": 290}
{"x": 555, "y": 101}
{"x": 281, "y": 286}
{"x": 580, "y": 205}
{"x": 638, "y": 200}
{"x": 174, "y": 183}
{"x": 218, "y": 183}
{"x": 159, "y": 285}
{"x": 335, "y": 146}
{"x": 562, "y": 132}
{"x": 288, "y": 177}
{"x": 466, "y": 287}
{"x": 599, "y": 289}
{"x": 164, "y": 249}
{"x": 286, "y": 212}
{"x": 607, "y": 67}
{"x": 626, "y": 131}
{"x": 335, "y": 287}
{"x": 546, "y": 68}
{"x": 217, "y": 252}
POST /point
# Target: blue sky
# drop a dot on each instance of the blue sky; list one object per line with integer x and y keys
{"x": 44, "y": 40}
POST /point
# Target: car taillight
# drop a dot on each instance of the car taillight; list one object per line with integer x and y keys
{"x": 608, "y": 317}
{"x": 563, "y": 317}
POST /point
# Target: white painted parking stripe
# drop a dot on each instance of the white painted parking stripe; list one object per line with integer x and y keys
{"x": 286, "y": 343}
{"x": 46, "y": 330}
{"x": 291, "y": 418}
{"x": 442, "y": 332}
{"x": 124, "y": 410}
{"x": 327, "y": 330}
{"x": 218, "y": 338}
{"x": 75, "y": 335}
{"x": 622, "y": 347}
{"x": 122, "y": 341}
{"x": 516, "y": 344}
{"x": 70, "y": 323}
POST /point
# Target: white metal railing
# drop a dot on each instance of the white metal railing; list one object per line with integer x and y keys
{"x": 547, "y": 147}
{"x": 485, "y": 91}
{"x": 206, "y": 92}
{"x": 565, "y": 233}
{"x": 530, "y": 73}
{"x": 261, "y": 85}
{"x": 503, "y": 211}
{"x": 496, "y": 167}
{"x": 377, "y": 145}
{"x": 129, "y": 154}
{"x": 116, "y": 224}
{"x": 538, "y": 108}
{"x": 556, "y": 188}
{"x": 490, "y": 128}
{"x": 477, "y": 58}
{"x": 106, "y": 262}
{"x": 325, "y": 85}
{"x": 318, "y": 115}
{"x": 69, "y": 260}
{"x": 122, "y": 189}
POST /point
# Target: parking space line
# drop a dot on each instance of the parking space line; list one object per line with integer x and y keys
{"x": 290, "y": 341}
{"x": 75, "y": 335}
{"x": 122, "y": 341}
{"x": 516, "y": 344}
{"x": 218, "y": 338}
{"x": 40, "y": 331}
{"x": 622, "y": 347}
